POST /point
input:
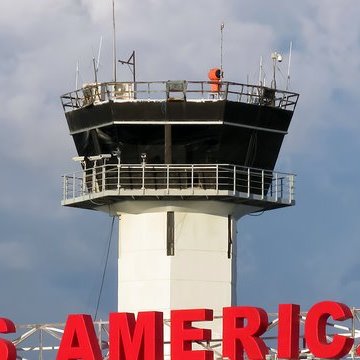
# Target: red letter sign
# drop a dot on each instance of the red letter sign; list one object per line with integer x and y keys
{"x": 7, "y": 348}
{"x": 315, "y": 330}
{"x": 140, "y": 339}
{"x": 288, "y": 331}
{"x": 79, "y": 340}
{"x": 238, "y": 338}
{"x": 183, "y": 334}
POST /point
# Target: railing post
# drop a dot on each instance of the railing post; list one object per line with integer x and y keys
{"x": 108, "y": 92}
{"x": 64, "y": 187}
{"x": 135, "y": 90}
{"x": 77, "y": 100}
{"x": 118, "y": 176}
{"x": 93, "y": 179}
{"x": 248, "y": 183}
{"x": 143, "y": 177}
{"x": 217, "y": 179}
{"x": 167, "y": 178}
{"x": 103, "y": 178}
{"x": 291, "y": 188}
{"x": 262, "y": 184}
{"x": 276, "y": 187}
{"x": 73, "y": 190}
{"x": 234, "y": 187}
{"x": 192, "y": 179}
{"x": 226, "y": 90}
{"x": 83, "y": 186}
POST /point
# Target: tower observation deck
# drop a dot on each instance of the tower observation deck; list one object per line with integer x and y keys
{"x": 178, "y": 140}
{"x": 179, "y": 163}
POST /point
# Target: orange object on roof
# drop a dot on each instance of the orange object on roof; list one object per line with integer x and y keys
{"x": 215, "y": 77}
{"x": 214, "y": 74}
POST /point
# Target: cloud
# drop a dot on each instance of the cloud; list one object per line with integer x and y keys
{"x": 48, "y": 252}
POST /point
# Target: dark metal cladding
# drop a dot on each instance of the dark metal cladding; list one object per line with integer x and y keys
{"x": 113, "y": 112}
{"x": 214, "y": 132}
{"x": 181, "y": 122}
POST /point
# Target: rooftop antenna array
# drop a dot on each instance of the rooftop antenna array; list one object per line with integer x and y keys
{"x": 277, "y": 58}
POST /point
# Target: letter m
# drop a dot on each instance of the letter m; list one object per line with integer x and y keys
{"x": 140, "y": 339}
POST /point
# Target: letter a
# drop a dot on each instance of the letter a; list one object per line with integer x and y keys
{"x": 79, "y": 340}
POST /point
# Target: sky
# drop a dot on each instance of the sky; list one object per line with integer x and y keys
{"x": 52, "y": 258}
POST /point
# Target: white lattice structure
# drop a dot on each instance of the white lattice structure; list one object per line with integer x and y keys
{"x": 41, "y": 341}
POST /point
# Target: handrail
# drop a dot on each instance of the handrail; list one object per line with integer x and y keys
{"x": 97, "y": 93}
{"x": 177, "y": 180}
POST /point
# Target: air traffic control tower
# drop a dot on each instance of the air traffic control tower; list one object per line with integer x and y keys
{"x": 179, "y": 163}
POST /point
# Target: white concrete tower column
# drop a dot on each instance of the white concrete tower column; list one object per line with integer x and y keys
{"x": 173, "y": 260}
{"x": 177, "y": 256}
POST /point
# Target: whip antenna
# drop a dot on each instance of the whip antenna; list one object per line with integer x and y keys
{"x": 261, "y": 71}
{"x": 99, "y": 54}
{"x": 221, "y": 48}
{"x": 77, "y": 75}
{"x": 289, "y": 64}
{"x": 114, "y": 41}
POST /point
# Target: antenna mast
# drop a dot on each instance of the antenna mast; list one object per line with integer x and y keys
{"x": 276, "y": 58}
{"x": 114, "y": 41}
{"x": 131, "y": 62}
{"x": 95, "y": 71}
{"x": 289, "y": 64}
{"x": 260, "y": 71}
{"x": 96, "y": 63}
{"x": 77, "y": 75}
{"x": 99, "y": 53}
{"x": 221, "y": 48}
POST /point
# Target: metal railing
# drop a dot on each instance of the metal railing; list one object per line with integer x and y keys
{"x": 97, "y": 93}
{"x": 179, "y": 180}
{"x": 41, "y": 341}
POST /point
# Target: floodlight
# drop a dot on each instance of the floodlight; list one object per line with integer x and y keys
{"x": 105, "y": 156}
{"x": 78, "y": 158}
{"x": 99, "y": 157}
{"x": 276, "y": 57}
{"x": 94, "y": 158}
{"x": 116, "y": 153}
